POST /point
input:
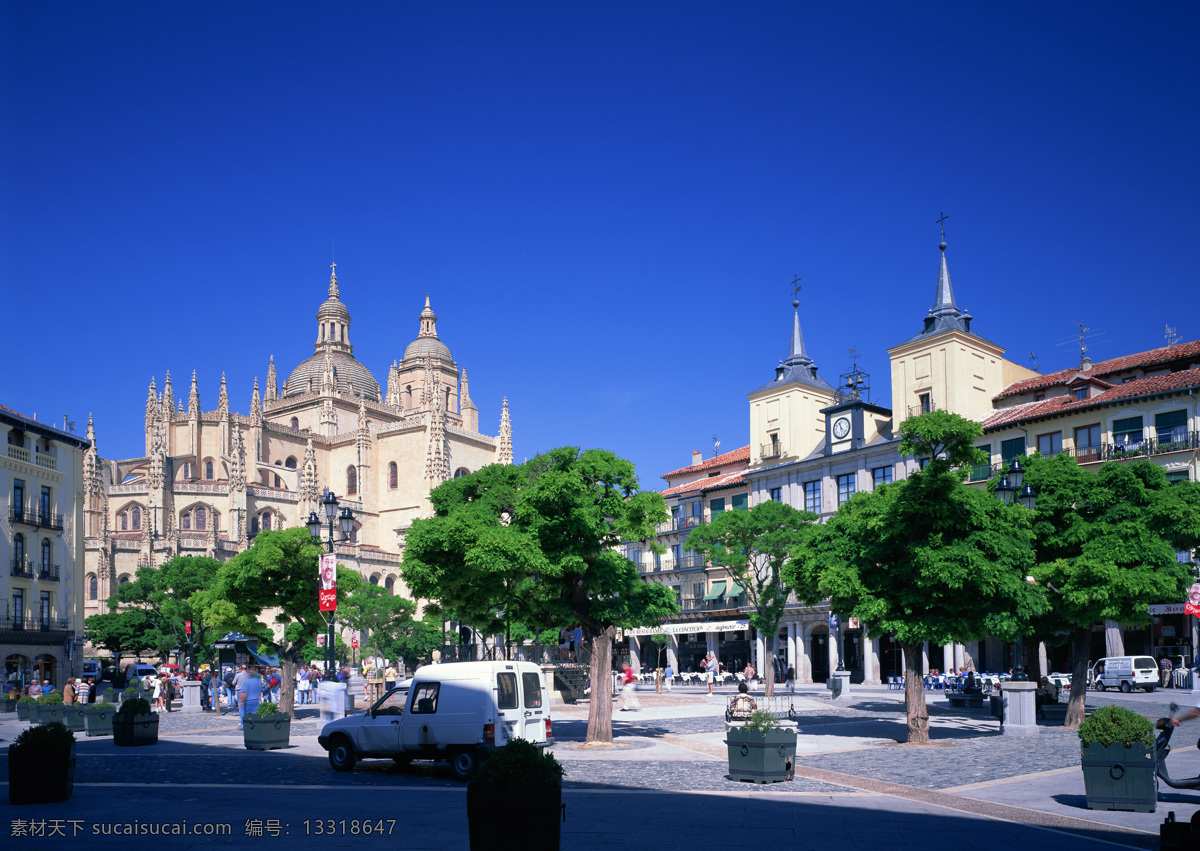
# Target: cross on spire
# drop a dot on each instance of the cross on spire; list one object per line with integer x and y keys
{"x": 795, "y": 290}
{"x": 940, "y": 224}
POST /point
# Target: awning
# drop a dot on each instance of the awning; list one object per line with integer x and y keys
{"x": 717, "y": 590}
{"x": 736, "y": 588}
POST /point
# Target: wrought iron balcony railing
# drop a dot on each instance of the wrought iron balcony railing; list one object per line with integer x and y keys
{"x": 48, "y": 571}
{"x": 22, "y": 567}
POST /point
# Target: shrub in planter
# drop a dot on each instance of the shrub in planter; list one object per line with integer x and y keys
{"x": 518, "y": 783}
{"x": 50, "y": 708}
{"x": 267, "y": 728}
{"x": 761, "y": 751}
{"x": 73, "y": 717}
{"x": 134, "y": 724}
{"x": 1119, "y": 761}
{"x": 41, "y": 765}
{"x": 98, "y": 718}
{"x": 26, "y": 706}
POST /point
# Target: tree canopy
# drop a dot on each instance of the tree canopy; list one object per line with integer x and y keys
{"x": 754, "y": 546}
{"x": 537, "y": 543}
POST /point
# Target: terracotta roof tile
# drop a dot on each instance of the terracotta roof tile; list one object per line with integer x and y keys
{"x": 1147, "y": 386}
{"x": 710, "y": 484}
{"x": 1167, "y": 354}
{"x": 731, "y": 457}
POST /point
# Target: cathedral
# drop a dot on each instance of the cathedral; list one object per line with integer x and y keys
{"x": 211, "y": 480}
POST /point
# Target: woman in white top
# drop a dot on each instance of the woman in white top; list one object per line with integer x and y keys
{"x": 157, "y": 694}
{"x": 302, "y": 686}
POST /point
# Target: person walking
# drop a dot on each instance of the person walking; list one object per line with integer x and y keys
{"x": 69, "y": 692}
{"x": 84, "y": 690}
{"x": 628, "y": 686}
{"x": 227, "y": 684}
{"x": 668, "y": 676}
{"x": 249, "y": 696}
{"x": 389, "y": 678}
{"x": 303, "y": 686}
{"x": 155, "y": 691}
{"x": 710, "y": 670}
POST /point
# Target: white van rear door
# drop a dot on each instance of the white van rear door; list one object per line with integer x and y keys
{"x": 534, "y": 711}
{"x": 508, "y": 707}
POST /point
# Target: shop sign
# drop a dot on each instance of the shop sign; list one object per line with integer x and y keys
{"x": 690, "y": 628}
{"x": 1168, "y": 608}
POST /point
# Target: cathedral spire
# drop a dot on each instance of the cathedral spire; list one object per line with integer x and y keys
{"x": 428, "y": 321}
{"x": 223, "y": 399}
{"x": 333, "y": 285}
{"x": 272, "y": 382}
{"x": 505, "y": 454}
{"x": 945, "y": 315}
{"x": 194, "y": 399}
{"x": 151, "y": 405}
{"x": 797, "y": 355}
{"x": 943, "y": 302}
{"x": 168, "y": 398}
{"x": 328, "y": 380}
{"x": 256, "y": 411}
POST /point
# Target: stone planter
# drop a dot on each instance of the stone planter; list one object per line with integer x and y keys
{"x": 46, "y": 775}
{"x": 25, "y": 711}
{"x": 132, "y": 731}
{"x": 766, "y": 756}
{"x": 50, "y": 713}
{"x": 1120, "y": 778}
{"x": 266, "y": 732}
{"x": 73, "y": 718}
{"x": 494, "y": 812}
{"x": 7, "y": 705}
{"x": 98, "y": 719}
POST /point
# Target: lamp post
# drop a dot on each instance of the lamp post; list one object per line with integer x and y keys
{"x": 345, "y": 519}
{"x": 1007, "y": 489}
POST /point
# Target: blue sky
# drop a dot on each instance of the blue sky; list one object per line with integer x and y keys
{"x": 605, "y": 202}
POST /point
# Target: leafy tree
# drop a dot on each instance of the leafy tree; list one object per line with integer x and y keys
{"x": 392, "y": 631}
{"x": 120, "y": 632}
{"x": 924, "y": 559}
{"x": 277, "y": 575}
{"x": 539, "y": 542}
{"x": 1105, "y": 549}
{"x": 163, "y": 597}
{"x": 754, "y": 546}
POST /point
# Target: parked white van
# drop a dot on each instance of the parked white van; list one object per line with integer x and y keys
{"x": 1125, "y": 673}
{"x": 455, "y": 711}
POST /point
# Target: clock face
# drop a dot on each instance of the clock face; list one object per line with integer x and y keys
{"x": 841, "y": 427}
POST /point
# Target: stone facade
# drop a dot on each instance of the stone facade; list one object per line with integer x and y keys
{"x": 211, "y": 480}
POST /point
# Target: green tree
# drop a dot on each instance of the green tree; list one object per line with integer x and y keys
{"x": 924, "y": 559}
{"x": 385, "y": 618}
{"x": 278, "y": 575}
{"x": 162, "y": 595}
{"x": 539, "y": 542}
{"x": 754, "y": 546}
{"x": 120, "y": 632}
{"x": 1105, "y": 549}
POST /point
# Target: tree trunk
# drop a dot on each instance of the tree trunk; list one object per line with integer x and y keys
{"x": 600, "y": 707}
{"x": 914, "y": 696}
{"x": 1081, "y": 645}
{"x": 287, "y": 683}
{"x": 769, "y": 663}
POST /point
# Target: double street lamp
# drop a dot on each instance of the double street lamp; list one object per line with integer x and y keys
{"x": 346, "y": 526}
{"x": 1008, "y": 489}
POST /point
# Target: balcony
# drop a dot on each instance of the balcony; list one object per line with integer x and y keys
{"x": 18, "y": 452}
{"x": 698, "y": 605}
{"x": 44, "y": 520}
{"x": 46, "y": 462}
{"x": 22, "y": 567}
{"x": 35, "y": 624}
{"x": 1174, "y": 440}
{"x": 983, "y": 472}
{"x": 20, "y": 514}
{"x": 691, "y": 562}
{"x": 49, "y": 520}
{"x": 768, "y": 451}
{"x": 48, "y": 571}
{"x": 679, "y": 524}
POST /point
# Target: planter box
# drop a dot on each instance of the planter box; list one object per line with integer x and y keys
{"x": 535, "y": 812}
{"x": 73, "y": 718}
{"x": 25, "y": 711}
{"x": 98, "y": 721}
{"x": 761, "y": 757}
{"x": 50, "y": 713}
{"x": 266, "y": 732}
{"x": 45, "y": 775}
{"x": 7, "y": 705}
{"x": 131, "y": 732}
{"x": 1120, "y": 778}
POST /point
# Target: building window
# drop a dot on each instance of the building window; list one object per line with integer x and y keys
{"x": 295, "y": 423}
{"x": 1010, "y": 449}
{"x": 1087, "y": 443}
{"x": 278, "y": 481}
{"x": 926, "y": 403}
{"x": 123, "y": 579}
{"x": 185, "y": 521}
{"x": 1174, "y": 477}
{"x": 266, "y": 520}
{"x": 135, "y": 518}
{"x": 123, "y": 521}
{"x": 354, "y": 535}
{"x": 44, "y": 608}
{"x": 845, "y": 487}
{"x": 93, "y": 587}
{"x": 1127, "y": 432}
{"x": 201, "y": 519}
{"x": 657, "y": 561}
{"x": 716, "y": 507}
{"x": 1081, "y": 393}
{"x": 351, "y": 481}
{"x": 881, "y": 476}
{"x": 677, "y": 554}
{"x": 460, "y": 472}
{"x": 741, "y": 502}
{"x": 187, "y": 470}
{"x": 1050, "y": 444}
{"x": 47, "y": 552}
{"x": 19, "y": 549}
{"x": 253, "y": 526}
{"x": 812, "y": 496}
{"x": 208, "y": 470}
{"x": 393, "y": 476}
{"x": 290, "y": 463}
{"x": 390, "y": 585}
{"x": 1170, "y": 430}
{"x": 18, "y": 494}
{"x": 776, "y": 494}
{"x": 16, "y": 437}
{"x": 44, "y": 505}
{"x": 18, "y": 596}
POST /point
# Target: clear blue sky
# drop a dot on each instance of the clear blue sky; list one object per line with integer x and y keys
{"x": 605, "y": 201}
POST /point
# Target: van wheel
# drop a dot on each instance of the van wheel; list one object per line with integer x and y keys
{"x": 1126, "y": 688}
{"x": 341, "y": 754}
{"x": 464, "y": 763}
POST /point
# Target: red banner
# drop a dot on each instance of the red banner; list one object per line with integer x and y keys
{"x": 327, "y": 600}
{"x": 1192, "y": 606}
{"x": 187, "y": 627}
{"x": 354, "y": 642}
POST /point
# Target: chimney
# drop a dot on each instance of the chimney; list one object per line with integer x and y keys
{"x": 697, "y": 457}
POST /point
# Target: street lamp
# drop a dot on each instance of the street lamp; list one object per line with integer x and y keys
{"x": 1008, "y": 488}
{"x": 345, "y": 526}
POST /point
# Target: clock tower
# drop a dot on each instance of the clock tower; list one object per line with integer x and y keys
{"x": 852, "y": 422}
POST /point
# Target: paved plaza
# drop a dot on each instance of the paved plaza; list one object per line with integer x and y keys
{"x": 663, "y": 785}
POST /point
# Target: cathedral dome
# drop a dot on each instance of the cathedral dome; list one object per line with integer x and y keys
{"x": 350, "y": 376}
{"x": 427, "y": 344}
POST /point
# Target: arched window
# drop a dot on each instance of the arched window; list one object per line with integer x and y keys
{"x": 393, "y": 478}
{"x": 253, "y": 526}
{"x": 266, "y": 520}
{"x": 295, "y": 422}
{"x": 351, "y": 481}
{"x": 375, "y": 579}
{"x": 201, "y": 519}
{"x": 185, "y": 521}
{"x": 460, "y": 472}
{"x": 354, "y": 535}
{"x": 290, "y": 463}
{"x": 123, "y": 579}
{"x": 390, "y": 584}
{"x": 208, "y": 470}
{"x": 135, "y": 519}
{"x": 124, "y": 521}
{"x": 93, "y": 587}
{"x": 278, "y": 482}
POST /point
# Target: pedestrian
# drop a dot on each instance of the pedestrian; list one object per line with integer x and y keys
{"x": 668, "y": 675}
{"x": 156, "y": 694}
{"x": 1164, "y": 667}
{"x": 69, "y": 692}
{"x": 35, "y": 688}
{"x": 749, "y": 672}
{"x": 303, "y": 686}
{"x": 791, "y": 679}
{"x": 389, "y": 678}
{"x": 205, "y": 679}
{"x": 710, "y": 670}
{"x": 249, "y": 695}
{"x": 741, "y": 705}
{"x": 272, "y": 686}
{"x": 84, "y": 690}
{"x": 628, "y": 686}
{"x": 168, "y": 692}
{"x": 227, "y": 682}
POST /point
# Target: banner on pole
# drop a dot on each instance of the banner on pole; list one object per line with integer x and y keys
{"x": 1192, "y": 606}
{"x": 327, "y": 595}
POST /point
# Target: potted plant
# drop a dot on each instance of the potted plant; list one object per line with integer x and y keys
{"x": 518, "y": 783}
{"x": 50, "y": 708}
{"x": 98, "y": 718}
{"x": 1119, "y": 760}
{"x": 73, "y": 716}
{"x": 134, "y": 724}
{"x": 267, "y": 728}
{"x": 761, "y": 751}
{"x": 26, "y": 708}
{"x": 42, "y": 759}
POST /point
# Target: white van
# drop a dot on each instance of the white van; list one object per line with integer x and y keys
{"x": 1125, "y": 673}
{"x": 455, "y": 711}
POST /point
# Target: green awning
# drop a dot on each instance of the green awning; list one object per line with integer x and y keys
{"x": 736, "y": 588}
{"x": 717, "y": 590}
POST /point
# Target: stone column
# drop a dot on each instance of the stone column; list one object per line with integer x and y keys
{"x": 1020, "y": 716}
{"x": 831, "y": 646}
{"x": 948, "y": 660}
{"x": 871, "y": 674}
{"x": 191, "y": 696}
{"x": 925, "y": 657}
{"x": 761, "y": 648}
{"x": 673, "y": 652}
{"x": 959, "y": 656}
{"x": 804, "y": 670}
{"x": 791, "y": 648}
{"x": 1043, "y": 661}
{"x": 635, "y": 654}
